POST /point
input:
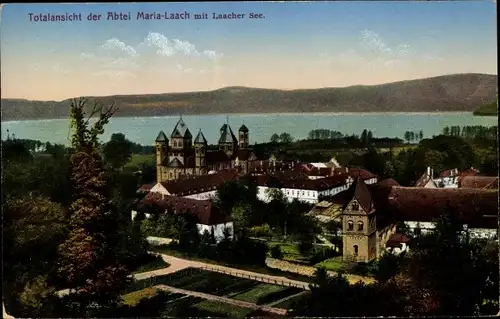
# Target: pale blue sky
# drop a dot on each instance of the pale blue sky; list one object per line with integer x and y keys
{"x": 296, "y": 45}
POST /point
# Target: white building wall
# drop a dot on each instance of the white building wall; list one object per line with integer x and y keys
{"x": 158, "y": 188}
{"x": 483, "y": 233}
{"x": 202, "y": 196}
{"x": 218, "y": 230}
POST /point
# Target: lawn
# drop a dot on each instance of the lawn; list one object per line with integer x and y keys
{"x": 333, "y": 264}
{"x": 288, "y": 304}
{"x": 134, "y": 297}
{"x": 219, "y": 309}
{"x": 153, "y": 263}
{"x": 265, "y": 293}
{"x": 290, "y": 252}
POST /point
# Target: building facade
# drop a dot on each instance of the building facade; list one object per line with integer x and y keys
{"x": 181, "y": 156}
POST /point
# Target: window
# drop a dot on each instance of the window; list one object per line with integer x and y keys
{"x": 355, "y": 250}
{"x": 350, "y": 225}
{"x": 355, "y": 206}
{"x": 360, "y": 226}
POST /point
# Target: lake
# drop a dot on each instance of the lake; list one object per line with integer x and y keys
{"x": 143, "y": 130}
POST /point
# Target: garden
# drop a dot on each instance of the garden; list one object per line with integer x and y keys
{"x": 142, "y": 296}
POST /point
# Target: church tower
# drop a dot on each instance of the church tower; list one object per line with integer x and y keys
{"x": 243, "y": 140}
{"x": 161, "y": 144}
{"x": 200, "y": 146}
{"x": 227, "y": 141}
{"x": 359, "y": 224}
{"x": 181, "y": 143}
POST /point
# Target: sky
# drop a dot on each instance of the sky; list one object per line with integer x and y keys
{"x": 292, "y": 46}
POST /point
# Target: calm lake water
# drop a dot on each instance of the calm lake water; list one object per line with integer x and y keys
{"x": 144, "y": 130}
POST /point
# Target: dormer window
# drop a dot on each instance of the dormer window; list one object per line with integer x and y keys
{"x": 350, "y": 225}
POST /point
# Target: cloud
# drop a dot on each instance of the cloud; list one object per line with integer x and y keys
{"x": 372, "y": 50}
{"x": 115, "y": 54}
{"x": 212, "y": 55}
{"x": 114, "y": 44}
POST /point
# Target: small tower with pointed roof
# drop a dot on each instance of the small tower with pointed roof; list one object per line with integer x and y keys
{"x": 161, "y": 144}
{"x": 227, "y": 141}
{"x": 243, "y": 139}
{"x": 359, "y": 223}
{"x": 200, "y": 146}
{"x": 181, "y": 142}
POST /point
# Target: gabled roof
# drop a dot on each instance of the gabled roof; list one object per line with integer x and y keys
{"x": 488, "y": 182}
{"x": 175, "y": 163}
{"x": 161, "y": 137}
{"x": 243, "y": 128}
{"x": 205, "y": 210}
{"x": 362, "y": 194}
{"x": 199, "y": 184}
{"x": 200, "y": 138}
{"x": 227, "y": 135}
{"x": 181, "y": 130}
{"x": 423, "y": 180}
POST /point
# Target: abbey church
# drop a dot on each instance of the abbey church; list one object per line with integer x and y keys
{"x": 183, "y": 157}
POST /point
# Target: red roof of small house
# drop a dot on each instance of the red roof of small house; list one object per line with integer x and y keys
{"x": 199, "y": 184}
{"x": 489, "y": 182}
{"x": 205, "y": 210}
{"x": 396, "y": 240}
{"x": 145, "y": 188}
{"x": 449, "y": 173}
{"x": 476, "y": 207}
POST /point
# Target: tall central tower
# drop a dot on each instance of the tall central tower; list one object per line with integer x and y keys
{"x": 200, "y": 147}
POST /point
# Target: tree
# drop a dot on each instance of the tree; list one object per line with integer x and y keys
{"x": 89, "y": 257}
{"x": 285, "y": 138}
{"x": 364, "y": 137}
{"x": 118, "y": 151}
{"x": 407, "y": 136}
{"x": 275, "y": 138}
{"x": 420, "y": 135}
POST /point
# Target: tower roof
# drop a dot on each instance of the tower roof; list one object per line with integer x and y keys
{"x": 200, "y": 138}
{"x": 161, "y": 137}
{"x": 181, "y": 130}
{"x": 227, "y": 135}
{"x": 243, "y": 128}
{"x": 360, "y": 191}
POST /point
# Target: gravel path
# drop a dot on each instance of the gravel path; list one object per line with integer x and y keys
{"x": 179, "y": 263}
{"x": 239, "y": 303}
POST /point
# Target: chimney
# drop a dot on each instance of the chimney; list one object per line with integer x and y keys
{"x": 428, "y": 171}
{"x": 432, "y": 172}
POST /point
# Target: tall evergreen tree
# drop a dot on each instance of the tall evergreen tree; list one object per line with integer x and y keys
{"x": 89, "y": 257}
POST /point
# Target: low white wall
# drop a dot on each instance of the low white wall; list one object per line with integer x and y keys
{"x": 218, "y": 230}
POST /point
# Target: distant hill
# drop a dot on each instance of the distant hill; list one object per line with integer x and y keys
{"x": 458, "y": 92}
{"x": 490, "y": 109}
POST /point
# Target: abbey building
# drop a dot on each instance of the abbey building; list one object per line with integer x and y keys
{"x": 183, "y": 157}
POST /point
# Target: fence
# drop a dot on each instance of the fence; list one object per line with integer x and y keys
{"x": 256, "y": 278}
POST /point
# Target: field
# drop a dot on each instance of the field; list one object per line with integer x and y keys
{"x": 137, "y": 159}
{"x": 207, "y": 282}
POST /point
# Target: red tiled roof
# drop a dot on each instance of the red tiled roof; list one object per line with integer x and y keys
{"x": 476, "y": 207}
{"x": 363, "y": 173}
{"x": 448, "y": 173}
{"x": 199, "y": 184}
{"x": 388, "y": 182}
{"x": 321, "y": 171}
{"x": 145, "y": 188}
{"x": 490, "y": 182}
{"x": 205, "y": 210}
{"x": 302, "y": 183}
{"x": 396, "y": 240}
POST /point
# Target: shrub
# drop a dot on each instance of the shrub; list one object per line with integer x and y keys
{"x": 276, "y": 252}
{"x": 305, "y": 246}
{"x": 320, "y": 254}
{"x": 261, "y": 231}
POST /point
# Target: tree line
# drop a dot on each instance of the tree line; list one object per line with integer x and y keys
{"x": 411, "y": 136}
